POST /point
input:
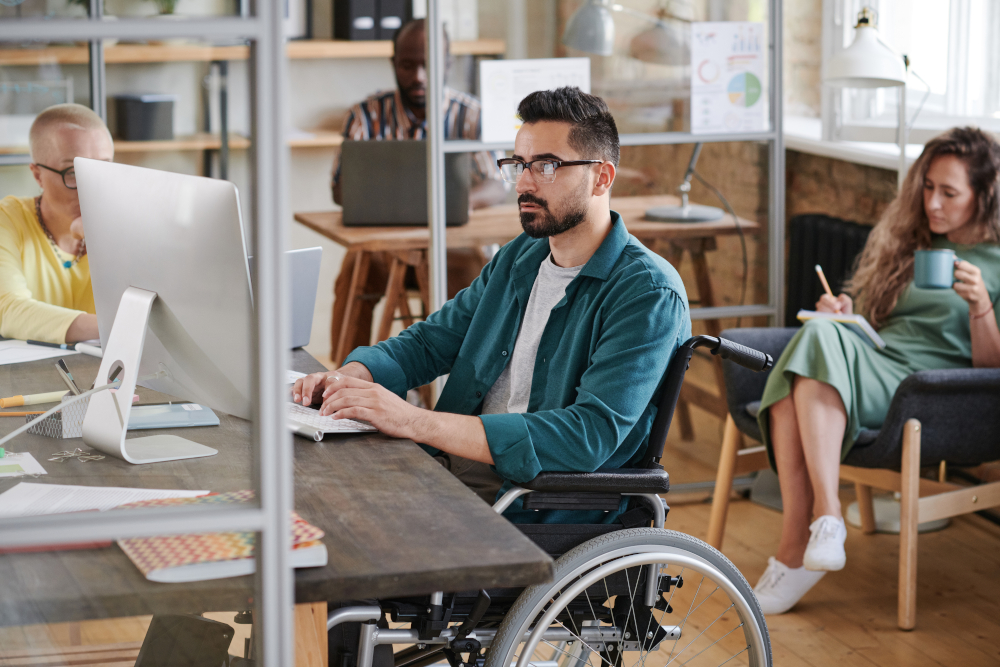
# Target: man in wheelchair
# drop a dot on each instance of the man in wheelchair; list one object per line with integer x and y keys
{"x": 557, "y": 355}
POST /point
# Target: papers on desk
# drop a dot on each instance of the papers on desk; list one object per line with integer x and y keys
{"x": 18, "y": 464}
{"x": 294, "y": 375}
{"x": 18, "y": 352}
{"x": 27, "y": 499}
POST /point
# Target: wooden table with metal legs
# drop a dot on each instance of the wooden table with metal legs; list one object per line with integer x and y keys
{"x": 405, "y": 247}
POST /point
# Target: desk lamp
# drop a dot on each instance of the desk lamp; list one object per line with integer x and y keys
{"x": 592, "y": 29}
{"x": 869, "y": 63}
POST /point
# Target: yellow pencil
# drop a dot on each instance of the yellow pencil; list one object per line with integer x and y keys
{"x": 822, "y": 279}
{"x": 32, "y": 399}
{"x": 19, "y": 414}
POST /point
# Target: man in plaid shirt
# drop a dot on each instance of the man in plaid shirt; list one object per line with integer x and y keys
{"x": 401, "y": 114}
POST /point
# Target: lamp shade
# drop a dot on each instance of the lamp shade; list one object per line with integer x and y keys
{"x": 591, "y": 29}
{"x": 663, "y": 44}
{"x": 867, "y": 63}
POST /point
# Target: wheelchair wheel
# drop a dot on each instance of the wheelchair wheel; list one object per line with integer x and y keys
{"x": 601, "y": 612}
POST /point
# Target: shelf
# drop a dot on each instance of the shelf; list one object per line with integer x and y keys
{"x": 313, "y": 49}
{"x": 203, "y": 141}
{"x": 193, "y": 142}
{"x": 319, "y": 139}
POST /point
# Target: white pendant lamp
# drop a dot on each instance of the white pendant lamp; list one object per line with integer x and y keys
{"x": 867, "y": 63}
{"x": 591, "y": 29}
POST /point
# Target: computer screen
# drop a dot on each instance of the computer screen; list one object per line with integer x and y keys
{"x": 181, "y": 237}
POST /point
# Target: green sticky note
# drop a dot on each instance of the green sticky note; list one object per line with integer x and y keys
{"x": 11, "y": 468}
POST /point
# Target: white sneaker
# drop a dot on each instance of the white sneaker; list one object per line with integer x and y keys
{"x": 825, "y": 550}
{"x": 780, "y": 587}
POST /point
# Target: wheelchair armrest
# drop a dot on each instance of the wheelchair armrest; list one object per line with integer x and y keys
{"x": 624, "y": 480}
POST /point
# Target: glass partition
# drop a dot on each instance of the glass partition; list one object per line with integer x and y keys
{"x": 95, "y": 541}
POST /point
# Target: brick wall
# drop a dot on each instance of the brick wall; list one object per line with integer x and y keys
{"x": 817, "y": 184}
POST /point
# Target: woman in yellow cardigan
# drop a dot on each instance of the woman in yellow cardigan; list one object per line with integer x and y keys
{"x": 45, "y": 291}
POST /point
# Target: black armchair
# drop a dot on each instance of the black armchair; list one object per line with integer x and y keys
{"x": 939, "y": 415}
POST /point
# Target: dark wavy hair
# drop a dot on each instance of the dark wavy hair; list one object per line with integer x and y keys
{"x": 594, "y": 132}
{"x": 885, "y": 267}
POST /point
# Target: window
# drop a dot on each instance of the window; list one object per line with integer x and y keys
{"x": 954, "y": 68}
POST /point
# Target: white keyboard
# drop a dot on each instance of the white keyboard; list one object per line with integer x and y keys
{"x": 300, "y": 414}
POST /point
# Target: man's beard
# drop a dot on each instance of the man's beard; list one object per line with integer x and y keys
{"x": 408, "y": 98}
{"x": 543, "y": 224}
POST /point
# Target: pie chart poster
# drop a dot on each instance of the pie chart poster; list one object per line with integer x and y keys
{"x": 727, "y": 71}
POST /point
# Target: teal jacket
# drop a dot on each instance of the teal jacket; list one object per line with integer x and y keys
{"x": 597, "y": 372}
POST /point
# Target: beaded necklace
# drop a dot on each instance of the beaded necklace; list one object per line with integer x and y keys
{"x": 66, "y": 264}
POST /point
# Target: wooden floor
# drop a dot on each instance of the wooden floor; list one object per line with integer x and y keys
{"x": 848, "y": 619}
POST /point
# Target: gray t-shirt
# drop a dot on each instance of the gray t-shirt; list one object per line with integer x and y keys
{"x": 511, "y": 391}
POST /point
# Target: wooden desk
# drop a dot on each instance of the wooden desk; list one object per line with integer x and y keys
{"x": 396, "y": 524}
{"x": 407, "y": 246}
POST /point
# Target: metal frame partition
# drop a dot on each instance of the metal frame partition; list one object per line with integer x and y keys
{"x": 776, "y": 170}
{"x": 272, "y": 469}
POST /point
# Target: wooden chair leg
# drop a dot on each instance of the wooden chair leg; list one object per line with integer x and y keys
{"x": 731, "y": 440}
{"x": 909, "y": 517}
{"x": 865, "y": 507}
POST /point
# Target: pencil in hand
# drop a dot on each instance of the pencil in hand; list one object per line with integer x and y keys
{"x": 822, "y": 279}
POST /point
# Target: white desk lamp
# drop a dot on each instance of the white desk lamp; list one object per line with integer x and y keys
{"x": 869, "y": 63}
{"x": 592, "y": 29}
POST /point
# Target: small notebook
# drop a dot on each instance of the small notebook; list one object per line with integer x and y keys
{"x": 184, "y": 558}
{"x": 856, "y": 323}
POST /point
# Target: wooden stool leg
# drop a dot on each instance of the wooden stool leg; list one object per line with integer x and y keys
{"x": 347, "y": 327}
{"x": 909, "y": 517}
{"x": 731, "y": 441}
{"x": 865, "y": 507}
{"x": 395, "y": 293}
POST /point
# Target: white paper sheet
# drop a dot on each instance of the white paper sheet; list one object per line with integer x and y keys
{"x": 727, "y": 77}
{"x": 505, "y": 83}
{"x": 18, "y": 352}
{"x": 27, "y": 499}
{"x": 15, "y": 464}
{"x": 294, "y": 375}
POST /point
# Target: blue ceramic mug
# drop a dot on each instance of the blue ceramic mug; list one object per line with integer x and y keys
{"x": 934, "y": 269}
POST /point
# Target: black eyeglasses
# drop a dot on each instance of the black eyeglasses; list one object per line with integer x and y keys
{"x": 68, "y": 175}
{"x": 544, "y": 171}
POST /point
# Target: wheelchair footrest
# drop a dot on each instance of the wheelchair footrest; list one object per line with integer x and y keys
{"x": 542, "y": 500}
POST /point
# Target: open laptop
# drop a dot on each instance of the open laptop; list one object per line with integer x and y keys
{"x": 303, "y": 274}
{"x": 385, "y": 183}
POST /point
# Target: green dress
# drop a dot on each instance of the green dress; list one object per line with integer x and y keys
{"x": 927, "y": 329}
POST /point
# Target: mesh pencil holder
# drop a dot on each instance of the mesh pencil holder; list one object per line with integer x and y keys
{"x": 68, "y": 423}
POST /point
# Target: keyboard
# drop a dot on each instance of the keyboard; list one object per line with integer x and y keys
{"x": 300, "y": 414}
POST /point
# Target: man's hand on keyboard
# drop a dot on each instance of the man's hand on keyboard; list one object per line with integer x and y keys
{"x": 309, "y": 389}
{"x": 352, "y": 398}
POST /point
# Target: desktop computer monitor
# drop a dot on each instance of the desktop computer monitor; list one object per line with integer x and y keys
{"x": 168, "y": 262}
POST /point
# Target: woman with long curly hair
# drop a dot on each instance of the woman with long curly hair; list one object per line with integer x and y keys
{"x": 829, "y": 384}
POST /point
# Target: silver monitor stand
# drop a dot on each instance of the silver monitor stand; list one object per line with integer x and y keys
{"x": 106, "y": 422}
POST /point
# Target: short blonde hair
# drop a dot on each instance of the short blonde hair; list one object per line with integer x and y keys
{"x": 71, "y": 115}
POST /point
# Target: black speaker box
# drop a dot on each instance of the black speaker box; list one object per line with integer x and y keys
{"x": 369, "y": 19}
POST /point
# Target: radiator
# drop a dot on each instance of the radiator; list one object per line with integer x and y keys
{"x": 819, "y": 239}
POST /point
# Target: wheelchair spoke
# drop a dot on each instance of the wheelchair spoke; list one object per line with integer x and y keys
{"x": 700, "y": 633}
{"x": 688, "y": 615}
{"x": 713, "y": 644}
{"x": 745, "y": 649}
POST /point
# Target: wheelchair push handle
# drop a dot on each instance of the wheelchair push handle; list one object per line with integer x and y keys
{"x": 744, "y": 356}
{"x": 741, "y": 354}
